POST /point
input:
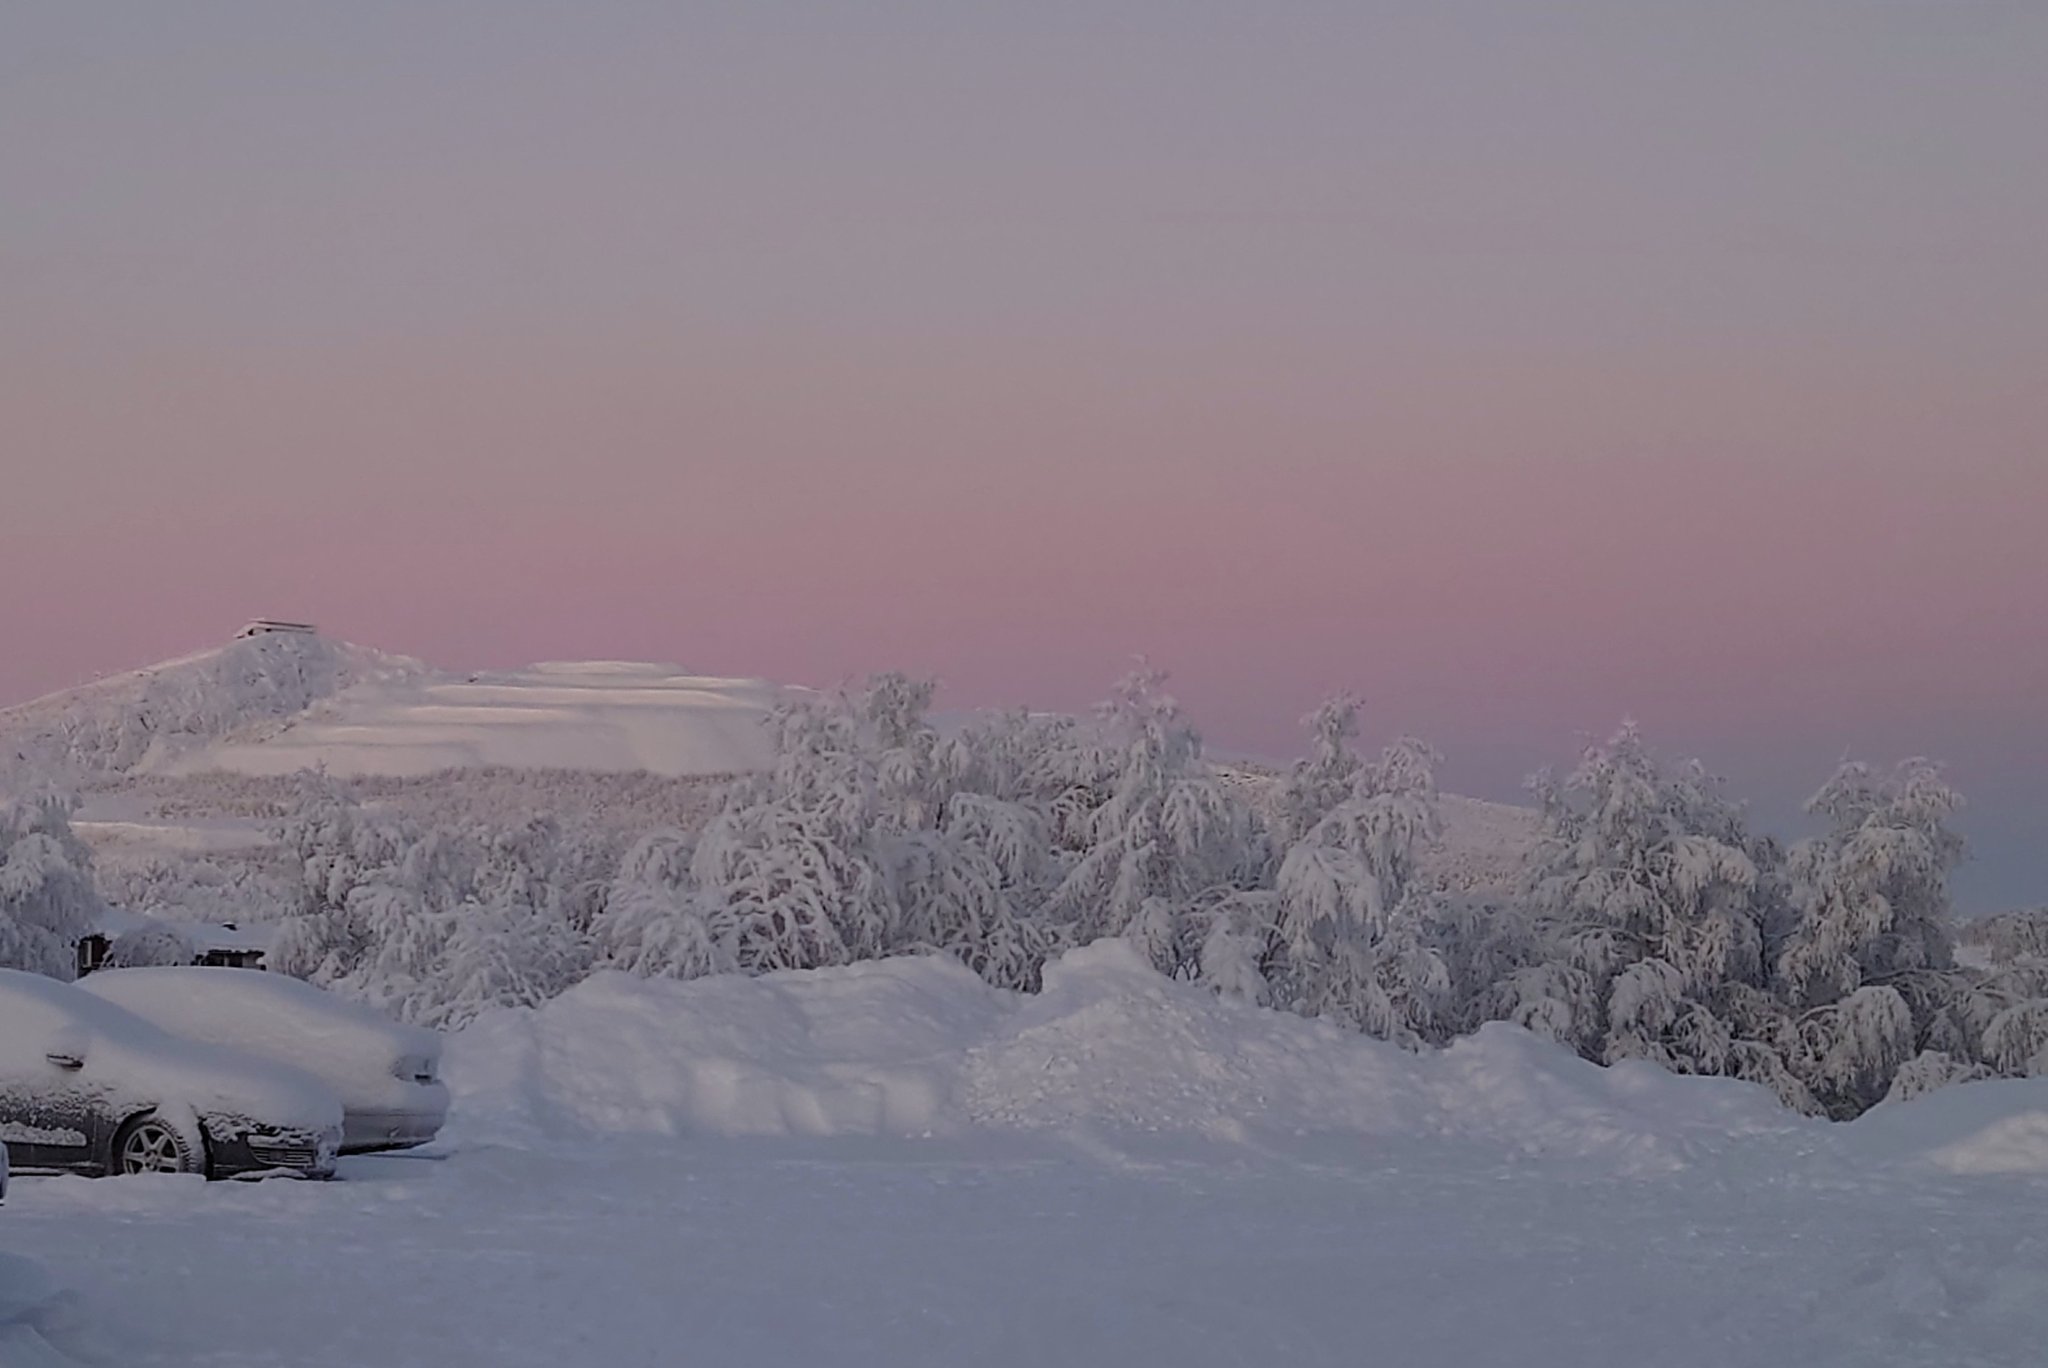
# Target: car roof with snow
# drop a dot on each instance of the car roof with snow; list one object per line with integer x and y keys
{"x": 238, "y": 1006}
{"x": 136, "y": 1055}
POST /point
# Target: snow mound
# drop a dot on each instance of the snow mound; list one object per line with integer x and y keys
{"x": 606, "y": 716}
{"x": 1111, "y": 1044}
{"x": 147, "y": 720}
{"x": 1993, "y": 1126}
{"x": 869, "y": 1049}
{"x": 919, "y": 1046}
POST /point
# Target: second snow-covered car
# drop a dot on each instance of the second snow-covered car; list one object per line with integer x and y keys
{"x": 385, "y": 1072}
{"x": 88, "y": 1087}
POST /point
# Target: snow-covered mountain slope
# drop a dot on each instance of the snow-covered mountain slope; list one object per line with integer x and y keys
{"x": 1482, "y": 847}
{"x": 276, "y": 704}
{"x": 605, "y": 716}
{"x": 284, "y": 702}
{"x": 150, "y": 719}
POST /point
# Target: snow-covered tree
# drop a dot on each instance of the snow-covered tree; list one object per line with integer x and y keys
{"x": 2015, "y": 1043}
{"x": 433, "y": 924}
{"x": 1650, "y": 901}
{"x": 1848, "y": 1053}
{"x": 657, "y": 923}
{"x": 1340, "y": 931}
{"x": 2018, "y": 937}
{"x": 871, "y": 835}
{"x": 47, "y": 898}
{"x": 1872, "y": 893}
{"x": 1931, "y": 1069}
{"x": 1164, "y": 833}
{"x": 1351, "y": 940}
{"x": 1323, "y": 778}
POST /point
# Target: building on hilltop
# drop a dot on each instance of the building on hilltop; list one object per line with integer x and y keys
{"x": 267, "y": 626}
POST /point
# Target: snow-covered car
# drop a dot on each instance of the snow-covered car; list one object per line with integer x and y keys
{"x": 386, "y": 1073}
{"x": 88, "y": 1087}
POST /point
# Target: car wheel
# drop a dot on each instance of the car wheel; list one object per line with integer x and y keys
{"x": 150, "y": 1145}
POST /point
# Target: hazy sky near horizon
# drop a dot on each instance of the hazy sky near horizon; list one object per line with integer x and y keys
{"x": 1515, "y": 366}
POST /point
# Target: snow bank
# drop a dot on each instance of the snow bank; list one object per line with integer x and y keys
{"x": 1112, "y": 1044}
{"x": 1994, "y": 1126}
{"x": 871, "y": 1049}
{"x": 919, "y": 1046}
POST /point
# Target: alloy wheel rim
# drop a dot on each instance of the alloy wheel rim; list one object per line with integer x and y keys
{"x": 151, "y": 1148}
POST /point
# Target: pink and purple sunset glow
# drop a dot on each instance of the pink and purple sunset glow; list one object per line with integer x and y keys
{"x": 1516, "y": 371}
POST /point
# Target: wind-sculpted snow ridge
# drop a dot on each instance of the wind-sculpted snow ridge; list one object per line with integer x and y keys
{"x": 912, "y": 1047}
{"x": 150, "y": 720}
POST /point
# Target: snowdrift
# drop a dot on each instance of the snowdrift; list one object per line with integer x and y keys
{"x": 1993, "y": 1126}
{"x": 920, "y": 1047}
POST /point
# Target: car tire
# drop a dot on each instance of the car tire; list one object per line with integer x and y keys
{"x": 150, "y": 1144}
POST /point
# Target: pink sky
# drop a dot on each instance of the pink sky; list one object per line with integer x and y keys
{"x": 1515, "y": 373}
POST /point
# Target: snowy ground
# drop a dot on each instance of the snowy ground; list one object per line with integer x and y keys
{"x": 713, "y": 1253}
{"x": 892, "y": 1164}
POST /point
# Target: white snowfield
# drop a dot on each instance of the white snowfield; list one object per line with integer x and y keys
{"x": 603, "y": 716}
{"x": 280, "y": 703}
{"x": 891, "y": 1164}
{"x": 146, "y": 720}
{"x": 384, "y": 1072}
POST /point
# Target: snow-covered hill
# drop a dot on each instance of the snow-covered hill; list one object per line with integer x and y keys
{"x": 272, "y": 705}
{"x": 151, "y": 719}
{"x": 279, "y": 703}
{"x": 606, "y": 716}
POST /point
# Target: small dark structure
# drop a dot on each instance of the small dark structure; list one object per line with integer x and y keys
{"x": 209, "y": 950}
{"x": 270, "y": 626}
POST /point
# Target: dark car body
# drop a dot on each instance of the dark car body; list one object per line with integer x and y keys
{"x": 80, "y": 1079}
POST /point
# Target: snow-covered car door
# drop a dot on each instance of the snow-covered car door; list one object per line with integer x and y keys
{"x": 48, "y": 1113}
